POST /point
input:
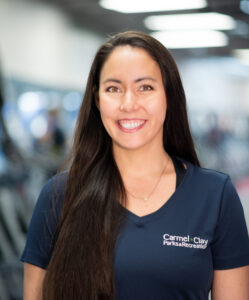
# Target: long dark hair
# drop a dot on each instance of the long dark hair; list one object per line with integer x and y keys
{"x": 81, "y": 265}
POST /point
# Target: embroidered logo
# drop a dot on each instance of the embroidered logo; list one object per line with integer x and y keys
{"x": 184, "y": 241}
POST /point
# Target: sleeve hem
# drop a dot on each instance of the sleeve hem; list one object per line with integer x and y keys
{"x": 35, "y": 263}
{"x": 34, "y": 259}
{"x": 223, "y": 264}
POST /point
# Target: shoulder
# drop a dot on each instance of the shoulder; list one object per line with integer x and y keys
{"x": 56, "y": 183}
{"x": 207, "y": 184}
{"x": 52, "y": 192}
{"x": 216, "y": 191}
{"x": 43, "y": 224}
{"x": 211, "y": 175}
{"x": 211, "y": 179}
{"x": 207, "y": 176}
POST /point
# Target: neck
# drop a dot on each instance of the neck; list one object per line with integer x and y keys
{"x": 140, "y": 161}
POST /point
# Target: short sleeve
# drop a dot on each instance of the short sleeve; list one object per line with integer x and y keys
{"x": 230, "y": 246}
{"x": 42, "y": 227}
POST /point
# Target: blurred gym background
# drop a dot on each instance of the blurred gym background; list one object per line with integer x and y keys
{"x": 46, "y": 49}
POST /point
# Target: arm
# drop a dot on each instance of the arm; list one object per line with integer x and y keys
{"x": 231, "y": 284}
{"x": 39, "y": 244}
{"x": 33, "y": 280}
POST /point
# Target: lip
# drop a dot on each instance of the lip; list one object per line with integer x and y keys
{"x": 131, "y": 130}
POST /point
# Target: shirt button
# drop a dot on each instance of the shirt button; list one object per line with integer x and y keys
{"x": 139, "y": 224}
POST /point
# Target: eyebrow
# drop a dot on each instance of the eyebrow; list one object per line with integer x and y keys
{"x": 137, "y": 80}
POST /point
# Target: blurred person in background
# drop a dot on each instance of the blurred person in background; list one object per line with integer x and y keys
{"x": 135, "y": 216}
{"x": 53, "y": 144}
{"x": 16, "y": 170}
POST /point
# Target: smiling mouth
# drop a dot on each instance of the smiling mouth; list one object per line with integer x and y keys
{"x": 131, "y": 125}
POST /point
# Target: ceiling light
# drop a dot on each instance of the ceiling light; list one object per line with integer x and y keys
{"x": 191, "y": 39}
{"x": 72, "y": 101}
{"x": 29, "y": 102}
{"x": 39, "y": 126}
{"x": 242, "y": 55}
{"x": 138, "y": 6}
{"x": 244, "y": 6}
{"x": 198, "y": 21}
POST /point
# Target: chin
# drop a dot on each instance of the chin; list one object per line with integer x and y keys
{"x": 128, "y": 146}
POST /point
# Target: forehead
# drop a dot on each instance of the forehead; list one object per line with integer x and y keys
{"x": 128, "y": 60}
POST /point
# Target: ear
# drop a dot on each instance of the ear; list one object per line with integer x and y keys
{"x": 96, "y": 96}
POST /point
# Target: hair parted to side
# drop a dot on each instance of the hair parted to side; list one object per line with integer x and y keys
{"x": 81, "y": 265}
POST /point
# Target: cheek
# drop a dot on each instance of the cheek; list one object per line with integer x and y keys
{"x": 158, "y": 109}
{"x": 107, "y": 110}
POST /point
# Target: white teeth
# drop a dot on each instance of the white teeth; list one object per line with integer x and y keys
{"x": 131, "y": 124}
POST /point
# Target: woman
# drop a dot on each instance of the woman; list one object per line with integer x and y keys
{"x": 135, "y": 216}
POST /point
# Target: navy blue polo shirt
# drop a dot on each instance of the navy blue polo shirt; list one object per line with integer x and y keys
{"x": 170, "y": 253}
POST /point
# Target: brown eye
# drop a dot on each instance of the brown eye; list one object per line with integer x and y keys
{"x": 112, "y": 89}
{"x": 146, "y": 88}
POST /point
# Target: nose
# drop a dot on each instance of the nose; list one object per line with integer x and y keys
{"x": 129, "y": 102}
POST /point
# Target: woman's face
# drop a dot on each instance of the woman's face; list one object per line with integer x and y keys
{"x": 132, "y": 99}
